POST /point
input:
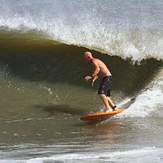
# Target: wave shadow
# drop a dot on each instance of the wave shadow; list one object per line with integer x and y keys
{"x": 60, "y": 108}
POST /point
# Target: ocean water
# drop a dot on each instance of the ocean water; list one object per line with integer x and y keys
{"x": 43, "y": 94}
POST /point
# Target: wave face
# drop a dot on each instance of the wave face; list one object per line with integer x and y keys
{"x": 33, "y": 57}
{"x": 129, "y": 29}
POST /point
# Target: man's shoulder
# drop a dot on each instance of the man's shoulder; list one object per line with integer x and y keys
{"x": 96, "y": 60}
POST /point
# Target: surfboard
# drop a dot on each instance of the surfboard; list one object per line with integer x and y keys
{"x": 100, "y": 116}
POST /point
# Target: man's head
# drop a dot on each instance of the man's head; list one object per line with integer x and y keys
{"x": 88, "y": 56}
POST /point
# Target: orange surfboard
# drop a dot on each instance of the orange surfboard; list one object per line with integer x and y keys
{"x": 100, "y": 116}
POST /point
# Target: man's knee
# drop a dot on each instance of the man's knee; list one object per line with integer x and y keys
{"x": 103, "y": 96}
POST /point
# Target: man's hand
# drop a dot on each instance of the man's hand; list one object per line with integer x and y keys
{"x": 87, "y": 78}
{"x": 94, "y": 79}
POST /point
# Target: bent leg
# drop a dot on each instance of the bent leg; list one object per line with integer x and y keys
{"x": 105, "y": 102}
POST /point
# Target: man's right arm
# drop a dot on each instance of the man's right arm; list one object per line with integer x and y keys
{"x": 96, "y": 70}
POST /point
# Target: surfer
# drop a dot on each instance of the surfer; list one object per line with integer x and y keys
{"x": 101, "y": 71}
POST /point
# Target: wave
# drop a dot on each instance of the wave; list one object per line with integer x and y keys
{"x": 135, "y": 44}
{"x": 106, "y": 27}
{"x": 34, "y": 40}
{"x": 34, "y": 57}
{"x": 37, "y": 55}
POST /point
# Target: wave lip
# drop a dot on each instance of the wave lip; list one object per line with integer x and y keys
{"x": 134, "y": 44}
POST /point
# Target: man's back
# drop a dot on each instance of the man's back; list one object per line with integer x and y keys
{"x": 104, "y": 71}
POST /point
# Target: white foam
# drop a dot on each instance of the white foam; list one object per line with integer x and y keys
{"x": 148, "y": 153}
{"x": 145, "y": 104}
{"x": 106, "y": 156}
{"x": 148, "y": 101}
